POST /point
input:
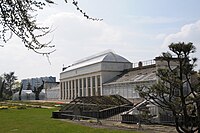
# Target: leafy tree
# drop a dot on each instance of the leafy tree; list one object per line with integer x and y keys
{"x": 178, "y": 89}
{"x": 2, "y": 86}
{"x": 19, "y": 17}
{"x": 9, "y": 82}
{"x": 16, "y": 86}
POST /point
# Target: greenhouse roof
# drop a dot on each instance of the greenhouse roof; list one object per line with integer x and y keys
{"x": 107, "y": 56}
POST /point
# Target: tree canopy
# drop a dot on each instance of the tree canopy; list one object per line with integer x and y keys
{"x": 178, "y": 87}
{"x": 7, "y": 82}
{"x": 19, "y": 17}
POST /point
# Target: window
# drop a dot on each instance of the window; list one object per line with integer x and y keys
{"x": 93, "y": 86}
{"x": 80, "y": 86}
{"x": 89, "y": 86}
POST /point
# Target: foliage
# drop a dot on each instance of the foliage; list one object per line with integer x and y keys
{"x": 178, "y": 89}
{"x": 16, "y": 86}
{"x": 7, "y": 82}
{"x": 19, "y": 17}
{"x": 2, "y": 86}
{"x": 144, "y": 113}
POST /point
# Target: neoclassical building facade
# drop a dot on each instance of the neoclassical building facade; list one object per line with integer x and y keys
{"x": 87, "y": 76}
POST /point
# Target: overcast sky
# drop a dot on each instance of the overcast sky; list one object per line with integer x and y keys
{"x": 138, "y": 30}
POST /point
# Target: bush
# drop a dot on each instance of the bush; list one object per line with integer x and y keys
{"x": 21, "y": 107}
{"x": 3, "y": 107}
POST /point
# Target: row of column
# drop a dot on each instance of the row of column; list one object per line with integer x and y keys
{"x": 87, "y": 86}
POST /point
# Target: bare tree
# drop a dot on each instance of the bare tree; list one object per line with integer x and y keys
{"x": 19, "y": 17}
{"x": 20, "y": 92}
{"x": 37, "y": 90}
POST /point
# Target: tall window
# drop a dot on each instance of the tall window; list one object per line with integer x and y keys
{"x": 61, "y": 88}
{"x": 84, "y": 87}
{"x": 98, "y": 85}
{"x": 70, "y": 90}
{"x": 76, "y": 88}
{"x": 89, "y": 86}
{"x": 67, "y": 94}
{"x": 73, "y": 89}
{"x": 80, "y": 86}
{"x": 93, "y": 86}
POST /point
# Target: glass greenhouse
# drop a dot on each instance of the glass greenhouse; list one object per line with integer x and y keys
{"x": 28, "y": 95}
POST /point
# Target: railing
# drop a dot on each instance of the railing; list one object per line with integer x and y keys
{"x": 143, "y": 63}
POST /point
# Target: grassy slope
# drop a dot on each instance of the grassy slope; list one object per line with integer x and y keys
{"x": 40, "y": 121}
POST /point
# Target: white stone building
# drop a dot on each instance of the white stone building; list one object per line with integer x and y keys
{"x": 108, "y": 74}
{"x": 86, "y": 77}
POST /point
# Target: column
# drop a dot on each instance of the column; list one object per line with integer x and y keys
{"x": 86, "y": 87}
{"x": 101, "y": 86}
{"x": 66, "y": 90}
{"x": 75, "y": 92}
{"x": 79, "y": 88}
{"x": 72, "y": 90}
{"x": 91, "y": 86}
{"x": 63, "y": 90}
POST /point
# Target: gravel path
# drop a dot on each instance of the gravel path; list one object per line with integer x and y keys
{"x": 121, "y": 126}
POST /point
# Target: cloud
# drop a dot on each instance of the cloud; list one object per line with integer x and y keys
{"x": 74, "y": 26}
{"x": 188, "y": 33}
{"x": 74, "y": 36}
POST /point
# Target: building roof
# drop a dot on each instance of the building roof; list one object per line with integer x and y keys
{"x": 106, "y": 56}
{"x": 134, "y": 75}
{"x": 92, "y": 102}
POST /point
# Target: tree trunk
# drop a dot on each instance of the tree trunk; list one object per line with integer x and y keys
{"x": 20, "y": 92}
{"x": 37, "y": 96}
{"x": 1, "y": 90}
{"x": 198, "y": 115}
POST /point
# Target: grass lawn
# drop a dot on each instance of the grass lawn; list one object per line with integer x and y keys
{"x": 37, "y": 120}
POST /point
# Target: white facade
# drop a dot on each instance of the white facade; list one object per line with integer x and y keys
{"x": 86, "y": 77}
{"x": 108, "y": 74}
{"x": 52, "y": 90}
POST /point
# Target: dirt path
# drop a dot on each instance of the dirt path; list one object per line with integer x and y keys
{"x": 122, "y": 126}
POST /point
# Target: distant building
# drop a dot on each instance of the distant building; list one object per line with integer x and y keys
{"x": 36, "y": 82}
{"x": 28, "y": 95}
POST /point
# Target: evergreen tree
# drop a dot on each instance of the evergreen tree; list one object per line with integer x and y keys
{"x": 178, "y": 89}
